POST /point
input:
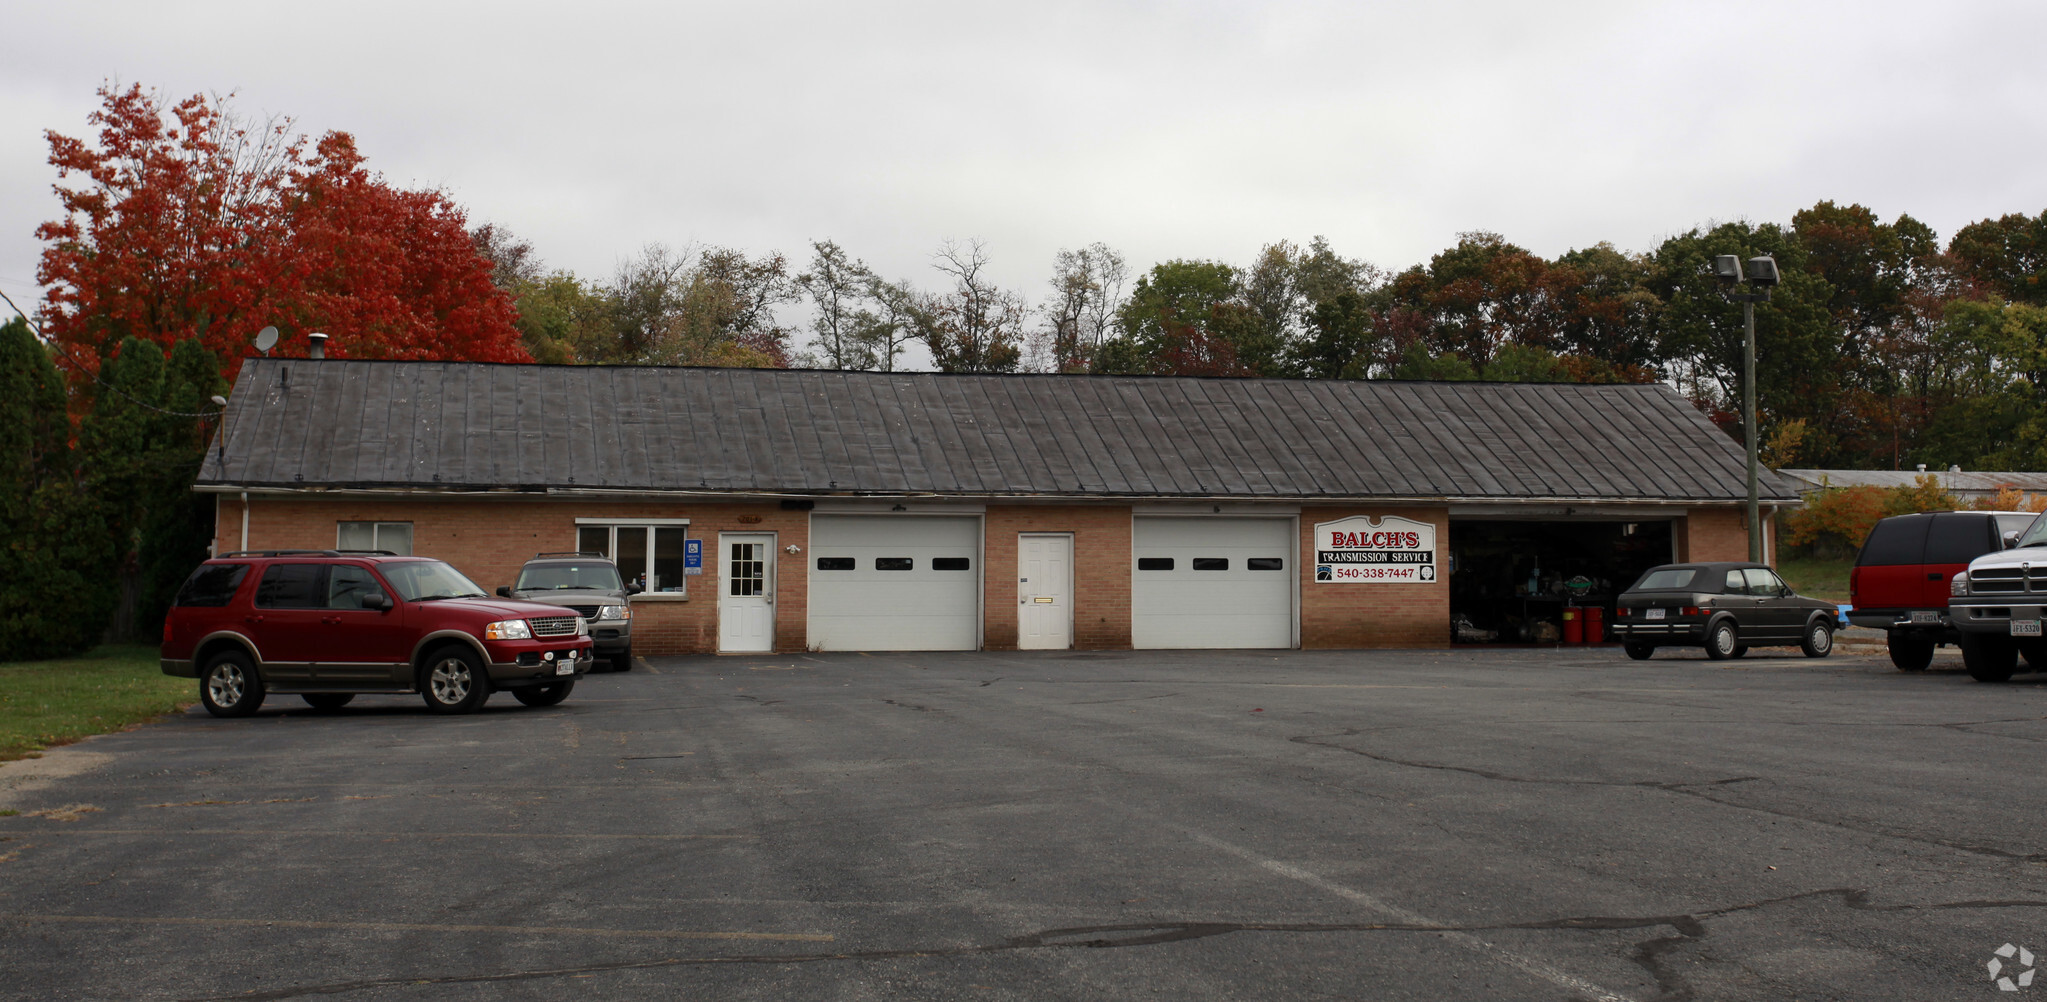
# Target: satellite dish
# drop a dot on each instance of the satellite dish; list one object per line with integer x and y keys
{"x": 266, "y": 339}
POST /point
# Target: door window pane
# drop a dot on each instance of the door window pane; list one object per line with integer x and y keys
{"x": 347, "y": 585}
{"x": 631, "y": 557}
{"x": 212, "y": 585}
{"x": 747, "y": 569}
{"x": 1762, "y": 582}
{"x": 1959, "y": 538}
{"x": 835, "y": 563}
{"x": 1736, "y": 584}
{"x": 393, "y": 536}
{"x": 1265, "y": 564}
{"x": 1211, "y": 563}
{"x": 894, "y": 564}
{"x": 1154, "y": 563}
{"x": 291, "y": 586}
{"x": 949, "y": 563}
{"x": 356, "y": 536}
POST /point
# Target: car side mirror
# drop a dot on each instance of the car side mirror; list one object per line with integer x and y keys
{"x": 633, "y": 589}
{"x": 504, "y": 591}
{"x": 376, "y": 600}
{"x": 2011, "y": 539}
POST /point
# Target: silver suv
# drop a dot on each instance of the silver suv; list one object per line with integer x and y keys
{"x": 592, "y": 586}
{"x": 1997, "y": 606}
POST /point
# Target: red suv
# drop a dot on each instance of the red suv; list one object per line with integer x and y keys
{"x": 1900, "y": 581}
{"x": 328, "y": 624}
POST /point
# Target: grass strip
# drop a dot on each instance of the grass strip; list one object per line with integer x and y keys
{"x": 1822, "y": 579}
{"x": 48, "y": 703}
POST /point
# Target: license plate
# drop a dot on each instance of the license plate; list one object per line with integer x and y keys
{"x": 566, "y": 666}
{"x": 1925, "y": 617}
{"x": 2025, "y": 627}
{"x": 1653, "y": 613}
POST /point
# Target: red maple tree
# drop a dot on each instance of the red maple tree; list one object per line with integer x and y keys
{"x": 191, "y": 222}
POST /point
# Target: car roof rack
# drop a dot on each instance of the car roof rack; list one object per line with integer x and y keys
{"x": 368, "y": 553}
{"x": 283, "y": 553}
{"x": 578, "y": 554}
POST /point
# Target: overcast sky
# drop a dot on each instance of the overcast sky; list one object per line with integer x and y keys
{"x": 1200, "y": 130}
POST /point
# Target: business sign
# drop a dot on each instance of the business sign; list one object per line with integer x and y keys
{"x": 692, "y": 556}
{"x": 1366, "y": 550}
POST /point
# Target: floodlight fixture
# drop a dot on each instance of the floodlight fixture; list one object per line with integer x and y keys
{"x": 1727, "y": 268}
{"x": 1762, "y": 271}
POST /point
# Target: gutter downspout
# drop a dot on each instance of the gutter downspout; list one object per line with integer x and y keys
{"x": 245, "y": 520}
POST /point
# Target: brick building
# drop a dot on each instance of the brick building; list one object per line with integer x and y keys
{"x": 793, "y": 510}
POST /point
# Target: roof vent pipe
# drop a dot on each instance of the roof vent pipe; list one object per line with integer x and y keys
{"x": 320, "y": 348}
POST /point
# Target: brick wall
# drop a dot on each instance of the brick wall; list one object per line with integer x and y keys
{"x": 1101, "y": 571}
{"x": 1720, "y": 534}
{"x": 488, "y": 540}
{"x": 1374, "y": 615}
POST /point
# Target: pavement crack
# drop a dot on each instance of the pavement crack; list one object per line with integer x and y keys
{"x": 913, "y": 706}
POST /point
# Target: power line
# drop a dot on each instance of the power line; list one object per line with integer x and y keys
{"x": 66, "y": 352}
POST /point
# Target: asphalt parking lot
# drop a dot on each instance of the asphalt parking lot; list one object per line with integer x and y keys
{"x": 1261, "y": 825}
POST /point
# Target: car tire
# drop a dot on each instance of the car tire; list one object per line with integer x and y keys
{"x": 453, "y": 681}
{"x": 544, "y": 695}
{"x": 1989, "y": 659}
{"x": 229, "y": 685}
{"x": 623, "y": 660}
{"x": 1639, "y": 652}
{"x": 2035, "y": 653}
{"x": 1910, "y": 653}
{"x": 327, "y": 701}
{"x": 1722, "y": 643}
{"x": 1818, "y": 641}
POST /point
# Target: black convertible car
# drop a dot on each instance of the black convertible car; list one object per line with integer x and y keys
{"x": 1726, "y": 608}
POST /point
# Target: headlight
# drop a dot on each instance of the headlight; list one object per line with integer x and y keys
{"x": 508, "y": 629}
{"x": 1959, "y": 584}
{"x": 582, "y": 627}
{"x": 614, "y": 612}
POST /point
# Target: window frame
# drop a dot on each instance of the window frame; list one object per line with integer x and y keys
{"x": 653, "y": 527}
{"x": 377, "y": 527}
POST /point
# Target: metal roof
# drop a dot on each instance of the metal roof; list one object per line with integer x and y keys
{"x": 1967, "y": 482}
{"x": 337, "y": 423}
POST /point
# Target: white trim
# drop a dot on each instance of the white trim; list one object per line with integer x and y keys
{"x": 245, "y": 521}
{"x": 887, "y": 506}
{"x": 1222, "y": 508}
{"x": 1587, "y": 512}
{"x": 1072, "y": 585}
{"x": 632, "y": 521}
{"x": 770, "y": 570}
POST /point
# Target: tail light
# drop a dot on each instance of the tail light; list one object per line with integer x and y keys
{"x": 167, "y": 629}
{"x": 1853, "y": 572}
{"x": 1620, "y": 612}
{"x": 1690, "y": 610}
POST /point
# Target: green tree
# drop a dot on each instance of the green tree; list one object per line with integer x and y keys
{"x": 1417, "y": 363}
{"x": 2004, "y": 257}
{"x": 1189, "y": 318}
{"x": 55, "y": 553}
{"x": 1522, "y": 363}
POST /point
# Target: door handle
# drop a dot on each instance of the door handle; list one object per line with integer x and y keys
{"x": 252, "y": 619}
{"x": 330, "y": 620}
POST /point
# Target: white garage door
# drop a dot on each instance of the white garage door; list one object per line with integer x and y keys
{"x": 895, "y": 583}
{"x": 1213, "y": 582}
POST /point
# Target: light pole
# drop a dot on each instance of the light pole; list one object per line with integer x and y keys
{"x": 1761, "y": 273}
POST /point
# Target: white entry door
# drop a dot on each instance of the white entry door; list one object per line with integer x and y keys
{"x": 1044, "y": 591}
{"x": 746, "y": 600}
{"x": 1212, "y": 582}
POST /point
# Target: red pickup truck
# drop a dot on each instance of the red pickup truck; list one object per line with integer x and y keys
{"x": 1900, "y": 581}
{"x": 329, "y": 624}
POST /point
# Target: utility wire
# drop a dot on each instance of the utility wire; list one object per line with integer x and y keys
{"x": 66, "y": 352}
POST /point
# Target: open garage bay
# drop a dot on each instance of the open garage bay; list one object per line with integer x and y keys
{"x": 1271, "y": 825}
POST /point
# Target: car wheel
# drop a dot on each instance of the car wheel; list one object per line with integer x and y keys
{"x": 1819, "y": 639}
{"x": 454, "y": 681}
{"x": 544, "y": 695}
{"x": 1910, "y": 653}
{"x": 2035, "y": 653}
{"x": 229, "y": 686}
{"x": 1721, "y": 643}
{"x": 1741, "y": 650}
{"x": 1989, "y": 659}
{"x": 623, "y": 660}
{"x": 1639, "y": 652}
{"x": 327, "y": 700}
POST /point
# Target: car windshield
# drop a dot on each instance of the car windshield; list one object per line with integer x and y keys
{"x": 1666, "y": 579}
{"x": 2035, "y": 534}
{"x": 555, "y": 577}
{"x": 427, "y": 580}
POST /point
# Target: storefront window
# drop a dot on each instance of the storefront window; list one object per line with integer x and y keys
{"x": 648, "y": 553}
